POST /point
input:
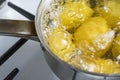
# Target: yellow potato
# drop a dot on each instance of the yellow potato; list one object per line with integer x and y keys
{"x": 97, "y": 65}
{"x": 94, "y": 37}
{"x": 110, "y": 10}
{"x": 91, "y": 36}
{"x": 60, "y": 42}
{"x": 106, "y": 66}
{"x": 73, "y": 14}
{"x": 116, "y": 47}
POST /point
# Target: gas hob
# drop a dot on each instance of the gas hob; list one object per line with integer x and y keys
{"x": 28, "y": 62}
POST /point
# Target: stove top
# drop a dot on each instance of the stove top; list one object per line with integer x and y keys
{"x": 27, "y": 63}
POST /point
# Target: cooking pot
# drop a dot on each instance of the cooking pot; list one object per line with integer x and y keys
{"x": 27, "y": 30}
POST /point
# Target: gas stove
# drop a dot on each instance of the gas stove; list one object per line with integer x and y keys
{"x": 22, "y": 59}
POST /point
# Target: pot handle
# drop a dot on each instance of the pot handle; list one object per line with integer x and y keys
{"x": 17, "y": 28}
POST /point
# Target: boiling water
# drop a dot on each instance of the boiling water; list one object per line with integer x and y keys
{"x": 78, "y": 58}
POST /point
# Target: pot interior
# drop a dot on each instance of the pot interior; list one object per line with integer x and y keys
{"x": 82, "y": 33}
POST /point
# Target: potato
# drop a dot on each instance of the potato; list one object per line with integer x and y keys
{"x": 110, "y": 10}
{"x": 73, "y": 14}
{"x": 116, "y": 47}
{"x": 98, "y": 65}
{"x": 60, "y": 42}
{"x": 106, "y": 66}
{"x": 94, "y": 37}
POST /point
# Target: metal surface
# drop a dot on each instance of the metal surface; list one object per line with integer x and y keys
{"x": 60, "y": 68}
{"x": 11, "y": 51}
{"x": 24, "y": 29}
{"x": 63, "y": 67}
{"x": 21, "y": 41}
{"x": 12, "y": 74}
{"x": 28, "y": 58}
{"x": 2, "y": 3}
{"x": 62, "y": 71}
{"x": 86, "y": 76}
{"x": 21, "y": 11}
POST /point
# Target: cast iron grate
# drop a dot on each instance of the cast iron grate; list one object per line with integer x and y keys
{"x": 17, "y": 45}
{"x": 12, "y": 74}
{"x": 21, "y": 41}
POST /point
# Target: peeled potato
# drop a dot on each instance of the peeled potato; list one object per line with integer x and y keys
{"x": 106, "y": 66}
{"x": 110, "y": 10}
{"x": 116, "y": 47}
{"x": 97, "y": 65}
{"x": 73, "y": 14}
{"x": 94, "y": 37}
{"x": 82, "y": 38}
{"x": 60, "y": 42}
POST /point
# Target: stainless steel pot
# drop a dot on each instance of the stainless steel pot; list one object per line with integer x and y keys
{"x": 27, "y": 29}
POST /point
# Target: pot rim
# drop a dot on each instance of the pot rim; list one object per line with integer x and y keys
{"x": 38, "y": 19}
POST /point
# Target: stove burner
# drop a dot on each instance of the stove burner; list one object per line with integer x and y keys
{"x": 12, "y": 50}
{"x": 2, "y": 2}
{"x": 72, "y": 75}
{"x": 12, "y": 74}
{"x": 22, "y": 11}
{"x": 18, "y": 44}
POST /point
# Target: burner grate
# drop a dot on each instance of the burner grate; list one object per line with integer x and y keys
{"x": 22, "y": 11}
{"x": 2, "y": 3}
{"x": 12, "y": 74}
{"x": 18, "y": 44}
